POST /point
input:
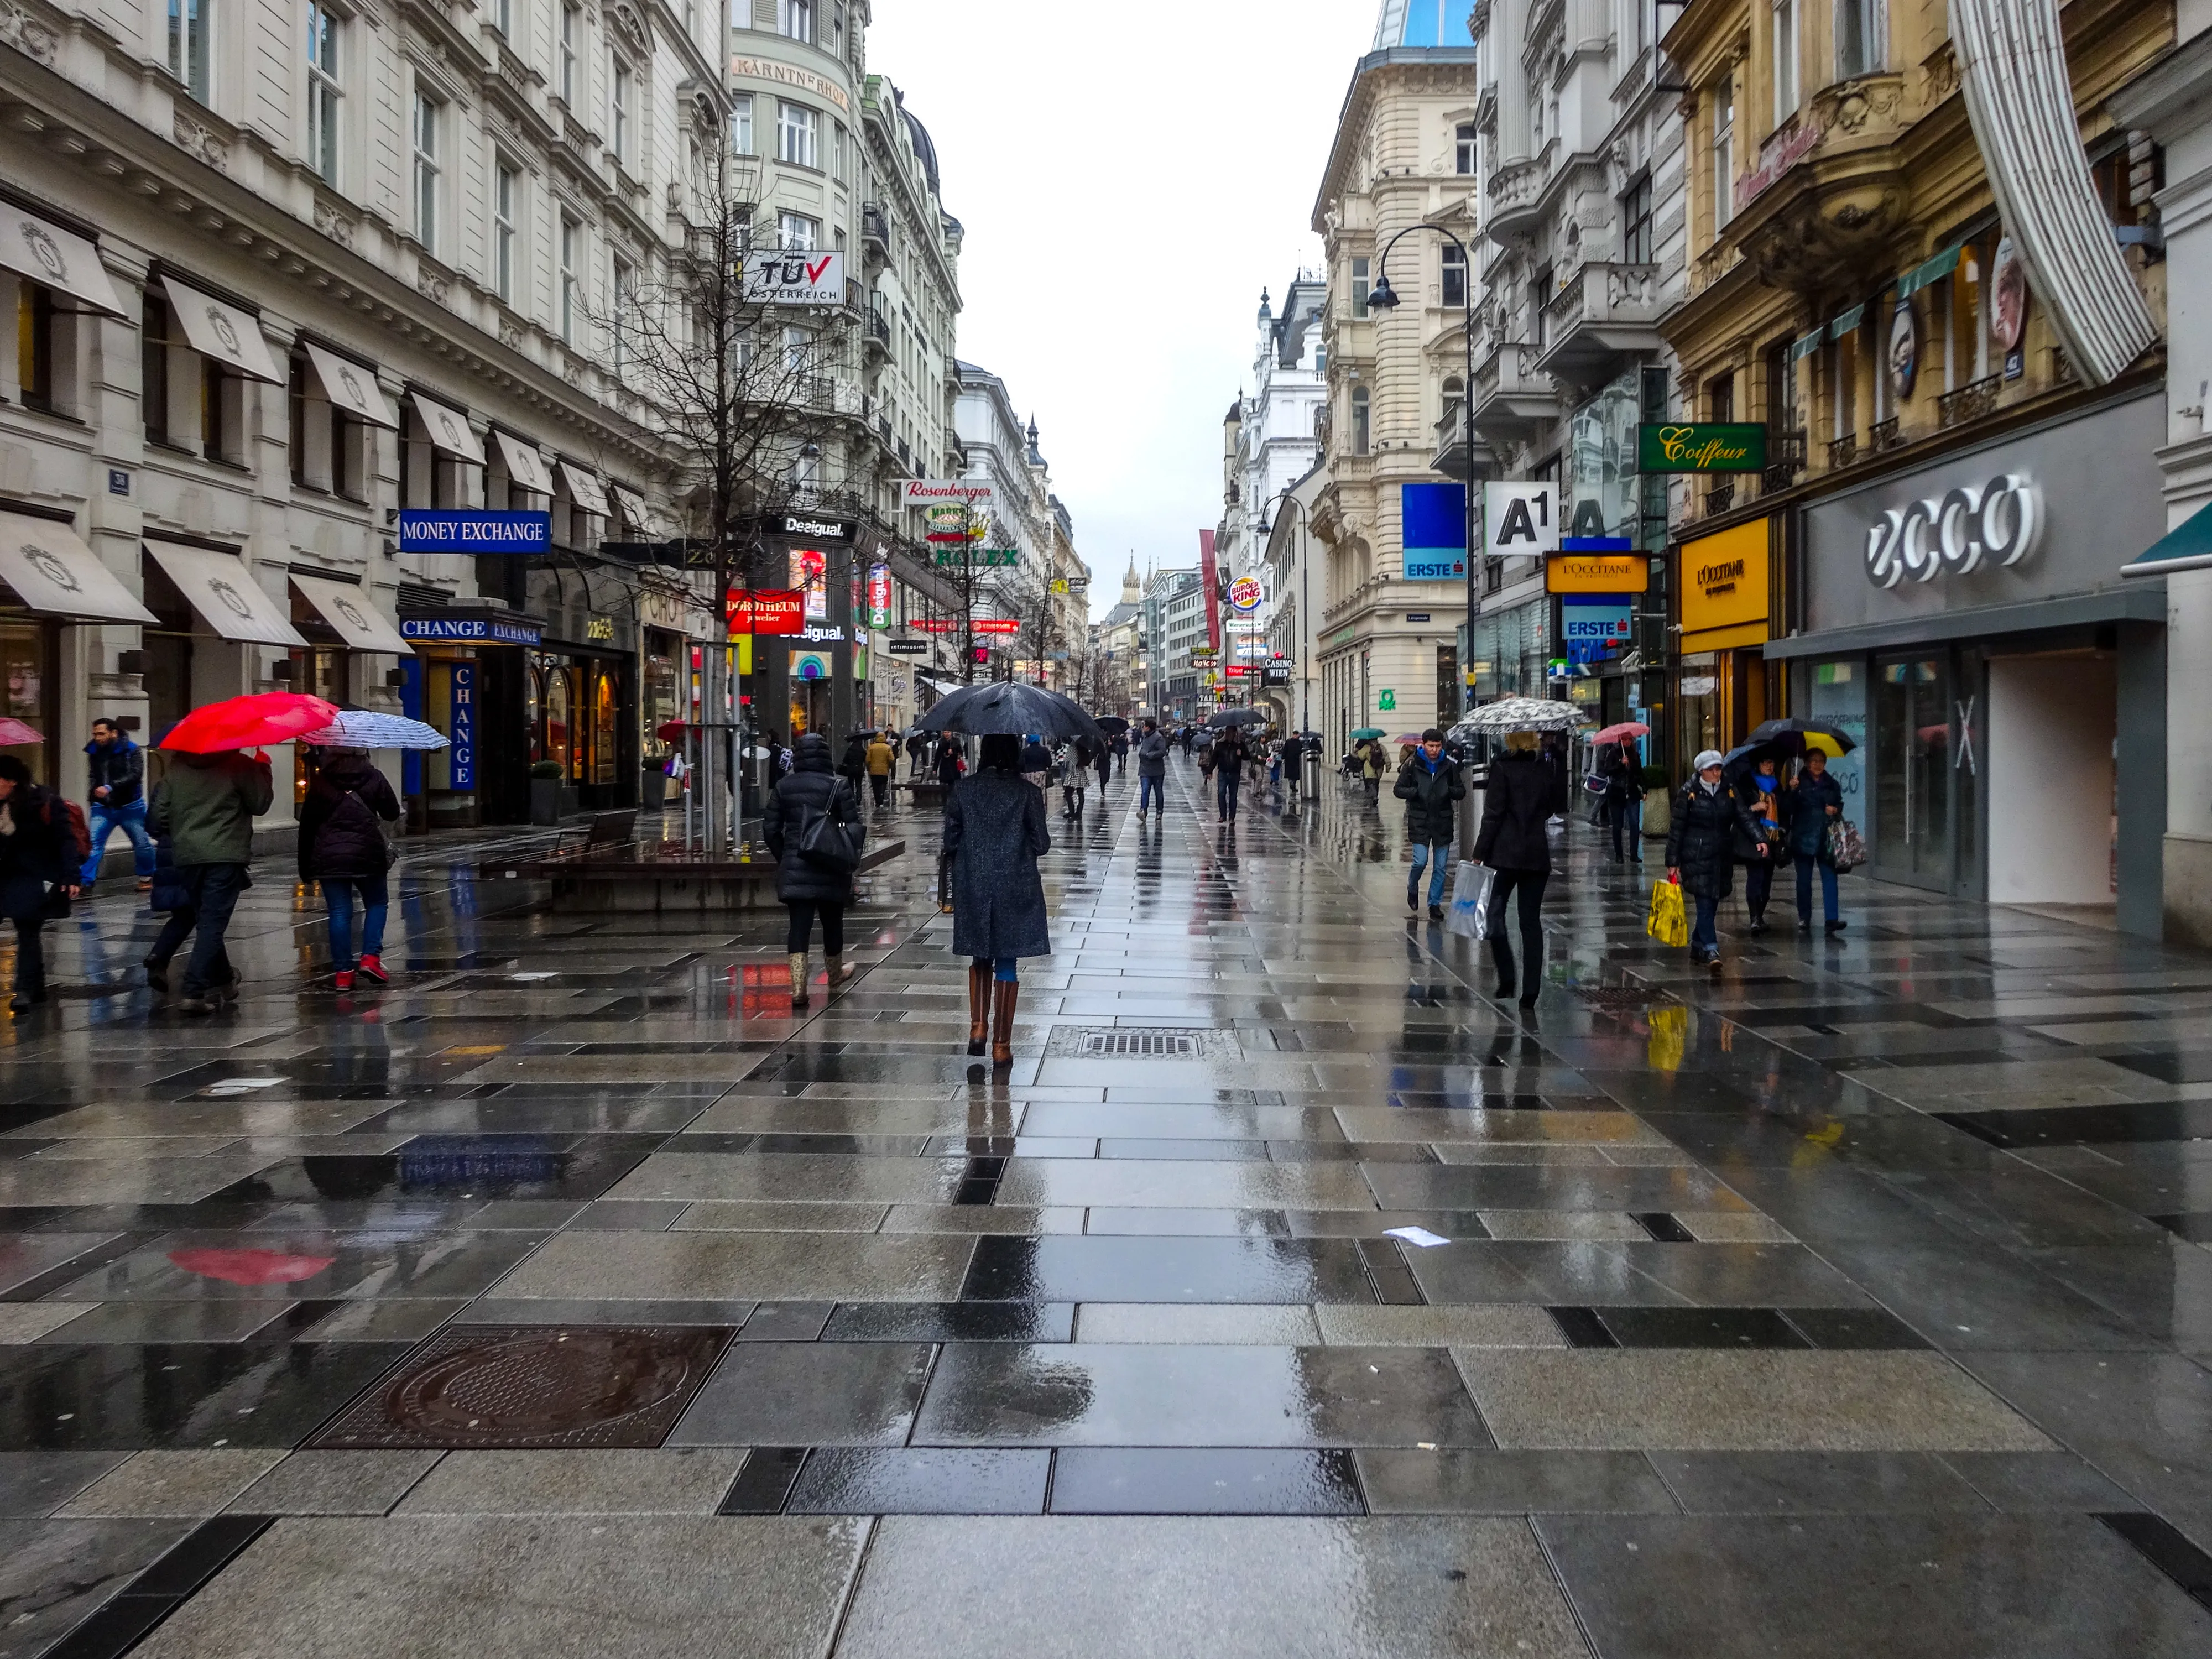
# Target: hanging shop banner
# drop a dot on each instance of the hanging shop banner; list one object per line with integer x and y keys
{"x": 765, "y": 610}
{"x": 976, "y": 558}
{"x": 974, "y": 493}
{"x": 810, "y": 568}
{"x": 1210, "y": 580}
{"x": 810, "y": 665}
{"x": 796, "y": 276}
{"x": 909, "y": 648}
{"x": 998, "y": 625}
{"x": 1520, "y": 518}
{"x": 466, "y": 530}
{"x": 461, "y": 733}
{"x": 1701, "y": 447}
{"x": 1432, "y": 519}
{"x": 811, "y": 527}
{"x": 879, "y": 596}
{"x": 1594, "y": 622}
{"x": 1597, "y": 572}
{"x": 1724, "y": 583}
{"x": 1244, "y": 593}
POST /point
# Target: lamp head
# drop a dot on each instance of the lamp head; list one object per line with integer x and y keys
{"x": 1384, "y": 298}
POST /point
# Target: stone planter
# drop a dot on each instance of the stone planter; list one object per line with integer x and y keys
{"x": 652, "y": 789}
{"x": 545, "y": 800}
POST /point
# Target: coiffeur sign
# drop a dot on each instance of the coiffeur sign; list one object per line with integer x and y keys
{"x": 1701, "y": 447}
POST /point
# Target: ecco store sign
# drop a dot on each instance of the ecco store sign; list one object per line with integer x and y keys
{"x": 1956, "y": 533}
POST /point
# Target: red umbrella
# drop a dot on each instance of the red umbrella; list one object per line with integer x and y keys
{"x": 671, "y": 732}
{"x": 14, "y": 731}
{"x": 1626, "y": 729}
{"x": 249, "y": 722}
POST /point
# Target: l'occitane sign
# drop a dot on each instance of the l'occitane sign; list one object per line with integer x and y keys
{"x": 1597, "y": 572}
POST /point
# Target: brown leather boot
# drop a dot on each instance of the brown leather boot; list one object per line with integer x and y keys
{"x": 979, "y": 1005}
{"x": 799, "y": 978}
{"x": 1004, "y": 994}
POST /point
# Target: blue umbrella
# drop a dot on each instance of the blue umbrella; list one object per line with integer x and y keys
{"x": 364, "y": 728}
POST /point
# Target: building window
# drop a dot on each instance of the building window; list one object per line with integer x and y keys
{"x": 34, "y": 344}
{"x": 800, "y": 234}
{"x": 572, "y": 234}
{"x": 426, "y": 171}
{"x": 1361, "y": 426}
{"x": 223, "y": 411}
{"x": 1636, "y": 222}
{"x": 324, "y": 90}
{"x": 618, "y": 111}
{"x": 1858, "y": 38}
{"x": 795, "y": 18}
{"x": 741, "y": 125}
{"x": 571, "y": 32}
{"x": 154, "y": 368}
{"x": 192, "y": 56}
{"x": 507, "y": 191}
{"x": 1454, "y": 283}
{"x": 1463, "y": 149}
{"x": 1540, "y": 294}
{"x": 1723, "y": 102}
{"x": 1720, "y": 398}
{"x": 1359, "y": 288}
{"x": 795, "y": 134}
{"x": 1785, "y": 60}
{"x": 625, "y": 284}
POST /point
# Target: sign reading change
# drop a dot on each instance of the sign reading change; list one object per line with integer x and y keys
{"x": 1701, "y": 447}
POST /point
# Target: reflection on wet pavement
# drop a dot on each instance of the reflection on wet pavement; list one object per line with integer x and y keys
{"x": 1288, "y": 1293}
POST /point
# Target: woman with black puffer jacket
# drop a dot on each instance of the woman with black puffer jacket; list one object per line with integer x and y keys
{"x": 342, "y": 845}
{"x": 1524, "y": 794}
{"x": 813, "y": 883}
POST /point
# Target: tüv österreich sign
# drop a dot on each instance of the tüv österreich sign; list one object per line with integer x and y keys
{"x": 471, "y": 530}
{"x": 1700, "y": 446}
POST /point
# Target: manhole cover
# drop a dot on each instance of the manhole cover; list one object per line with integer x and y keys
{"x": 1620, "y": 996}
{"x": 533, "y": 1386}
{"x": 1138, "y": 1043}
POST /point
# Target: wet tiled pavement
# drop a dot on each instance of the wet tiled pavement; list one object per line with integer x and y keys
{"x": 572, "y": 1296}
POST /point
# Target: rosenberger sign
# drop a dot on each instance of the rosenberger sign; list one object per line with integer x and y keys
{"x": 766, "y": 610}
{"x": 975, "y": 494}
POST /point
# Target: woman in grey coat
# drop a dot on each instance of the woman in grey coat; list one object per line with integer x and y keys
{"x": 994, "y": 834}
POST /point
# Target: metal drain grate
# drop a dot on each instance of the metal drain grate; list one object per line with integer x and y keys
{"x": 1139, "y": 1042}
{"x": 1620, "y": 996}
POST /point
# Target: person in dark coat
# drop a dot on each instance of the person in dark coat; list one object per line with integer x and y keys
{"x": 39, "y": 872}
{"x": 853, "y": 765}
{"x": 115, "y": 770}
{"x": 949, "y": 762}
{"x": 342, "y": 845}
{"x": 1758, "y": 792}
{"x": 1700, "y": 847}
{"x": 1121, "y": 754}
{"x": 1813, "y": 802}
{"x": 1151, "y": 771}
{"x": 1225, "y": 760}
{"x": 917, "y": 747}
{"x": 1431, "y": 785}
{"x": 1623, "y": 772}
{"x": 1523, "y": 792}
{"x": 1102, "y": 759}
{"x": 1294, "y": 763}
{"x": 994, "y": 834}
{"x": 806, "y": 888}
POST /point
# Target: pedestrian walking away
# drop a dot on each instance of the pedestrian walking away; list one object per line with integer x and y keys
{"x": 1370, "y": 769}
{"x": 917, "y": 749}
{"x": 1813, "y": 802}
{"x": 1521, "y": 797}
{"x": 1225, "y": 760}
{"x": 1758, "y": 792}
{"x": 1622, "y": 772}
{"x": 1294, "y": 763}
{"x": 1121, "y": 754}
{"x": 117, "y": 767}
{"x": 1036, "y": 762}
{"x": 1708, "y": 824}
{"x": 810, "y": 820}
{"x": 341, "y": 847}
{"x": 881, "y": 758}
{"x": 1102, "y": 760}
{"x": 853, "y": 764}
{"x": 40, "y": 860}
{"x": 994, "y": 834}
{"x": 1431, "y": 785}
{"x": 1151, "y": 769}
{"x": 1072, "y": 764}
{"x": 207, "y": 805}
{"x": 950, "y": 762}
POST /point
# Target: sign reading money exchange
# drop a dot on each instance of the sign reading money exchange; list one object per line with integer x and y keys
{"x": 1701, "y": 447}
{"x": 469, "y": 530}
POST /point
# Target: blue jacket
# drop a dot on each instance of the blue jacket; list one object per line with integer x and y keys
{"x": 1807, "y": 806}
{"x": 122, "y": 769}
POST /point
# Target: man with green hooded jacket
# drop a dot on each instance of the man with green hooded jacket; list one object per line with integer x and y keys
{"x": 206, "y": 806}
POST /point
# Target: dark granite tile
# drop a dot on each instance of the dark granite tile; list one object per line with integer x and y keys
{"x": 1132, "y": 1269}
{"x": 951, "y": 1321}
{"x": 1814, "y": 1483}
{"x": 920, "y": 1480}
{"x": 1447, "y": 1481}
{"x": 811, "y": 1394}
{"x": 1212, "y": 1480}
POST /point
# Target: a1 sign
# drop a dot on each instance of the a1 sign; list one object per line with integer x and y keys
{"x": 798, "y": 277}
{"x": 1520, "y": 518}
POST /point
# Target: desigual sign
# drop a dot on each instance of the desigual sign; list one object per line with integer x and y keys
{"x": 1956, "y": 533}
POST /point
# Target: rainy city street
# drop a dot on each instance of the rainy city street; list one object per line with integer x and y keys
{"x": 1850, "y": 1299}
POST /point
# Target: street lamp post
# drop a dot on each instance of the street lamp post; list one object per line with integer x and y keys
{"x": 1385, "y": 299}
{"x": 1305, "y": 616}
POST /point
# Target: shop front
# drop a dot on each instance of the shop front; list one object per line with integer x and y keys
{"x": 1724, "y": 682}
{"x": 470, "y": 677}
{"x": 49, "y": 579}
{"x": 1968, "y": 623}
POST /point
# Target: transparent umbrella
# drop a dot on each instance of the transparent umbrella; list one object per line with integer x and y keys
{"x": 1519, "y": 714}
{"x": 363, "y": 728}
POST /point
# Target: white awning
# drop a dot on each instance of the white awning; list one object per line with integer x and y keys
{"x": 524, "y": 465}
{"x": 351, "y": 387}
{"x": 348, "y": 611}
{"x": 584, "y": 488}
{"x": 223, "y": 591}
{"x": 223, "y": 332}
{"x": 58, "y": 576}
{"x": 44, "y": 252}
{"x": 448, "y": 429}
{"x": 633, "y": 508}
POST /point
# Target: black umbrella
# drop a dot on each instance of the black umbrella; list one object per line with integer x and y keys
{"x": 1112, "y": 725}
{"x": 1238, "y": 717}
{"x": 1793, "y": 734}
{"x": 1010, "y": 707}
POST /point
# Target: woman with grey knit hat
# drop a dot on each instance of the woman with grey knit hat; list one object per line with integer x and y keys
{"x": 1708, "y": 821}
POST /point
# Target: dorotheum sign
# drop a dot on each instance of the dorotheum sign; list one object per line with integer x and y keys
{"x": 1700, "y": 446}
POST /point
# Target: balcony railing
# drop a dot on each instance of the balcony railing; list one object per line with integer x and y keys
{"x": 1887, "y": 435}
{"x": 1785, "y": 459}
{"x": 1720, "y": 498}
{"x": 1970, "y": 402}
{"x": 1843, "y": 452}
{"x": 875, "y": 227}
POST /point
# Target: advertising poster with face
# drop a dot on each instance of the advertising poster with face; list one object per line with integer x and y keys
{"x": 2009, "y": 313}
{"x": 1904, "y": 350}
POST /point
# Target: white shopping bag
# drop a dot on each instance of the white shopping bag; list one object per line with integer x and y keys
{"x": 1469, "y": 913}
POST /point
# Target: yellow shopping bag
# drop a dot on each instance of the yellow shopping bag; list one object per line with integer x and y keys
{"x": 1667, "y": 924}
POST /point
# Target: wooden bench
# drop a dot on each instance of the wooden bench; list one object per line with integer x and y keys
{"x": 658, "y": 876}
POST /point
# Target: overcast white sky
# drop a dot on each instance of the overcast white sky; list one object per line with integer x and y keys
{"x": 1130, "y": 176}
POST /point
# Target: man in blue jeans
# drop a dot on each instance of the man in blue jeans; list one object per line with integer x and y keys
{"x": 1430, "y": 786}
{"x": 118, "y": 769}
{"x": 1151, "y": 769}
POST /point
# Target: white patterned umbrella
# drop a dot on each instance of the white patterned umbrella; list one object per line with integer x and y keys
{"x": 364, "y": 728}
{"x": 1521, "y": 714}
